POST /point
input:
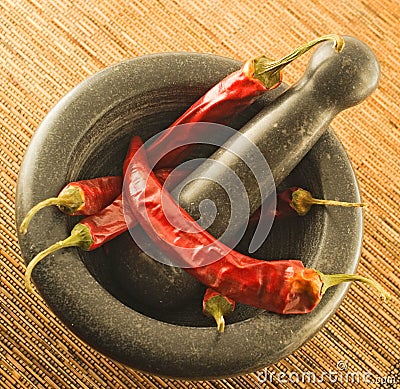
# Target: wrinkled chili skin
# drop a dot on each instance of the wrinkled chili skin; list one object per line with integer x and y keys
{"x": 283, "y": 286}
{"x": 106, "y": 224}
{"x": 111, "y": 221}
{"x": 96, "y": 193}
{"x": 219, "y": 105}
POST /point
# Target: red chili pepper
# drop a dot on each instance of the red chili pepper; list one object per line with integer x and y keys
{"x": 221, "y": 103}
{"x": 217, "y": 306}
{"x": 297, "y": 201}
{"x": 291, "y": 202}
{"x": 228, "y": 98}
{"x": 95, "y": 230}
{"x": 283, "y": 286}
{"x": 84, "y": 197}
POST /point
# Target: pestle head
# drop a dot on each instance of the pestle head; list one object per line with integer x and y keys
{"x": 343, "y": 79}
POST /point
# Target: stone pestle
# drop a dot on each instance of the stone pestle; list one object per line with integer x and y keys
{"x": 283, "y": 132}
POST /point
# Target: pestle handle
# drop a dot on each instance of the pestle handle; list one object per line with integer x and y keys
{"x": 284, "y": 131}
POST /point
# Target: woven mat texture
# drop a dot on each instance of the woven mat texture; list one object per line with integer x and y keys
{"x": 48, "y": 47}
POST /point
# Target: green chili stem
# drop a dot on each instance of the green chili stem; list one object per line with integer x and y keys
{"x": 80, "y": 237}
{"x": 216, "y": 312}
{"x": 217, "y": 307}
{"x": 268, "y": 71}
{"x": 329, "y": 280}
{"x": 220, "y": 322}
{"x": 70, "y": 199}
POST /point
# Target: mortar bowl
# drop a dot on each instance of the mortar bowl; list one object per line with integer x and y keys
{"x": 118, "y": 301}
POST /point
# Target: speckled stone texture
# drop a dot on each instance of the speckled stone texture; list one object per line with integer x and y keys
{"x": 111, "y": 297}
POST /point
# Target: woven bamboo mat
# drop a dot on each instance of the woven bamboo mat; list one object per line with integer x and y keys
{"x": 49, "y": 46}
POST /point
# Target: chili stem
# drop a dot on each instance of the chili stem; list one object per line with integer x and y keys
{"x": 329, "y": 280}
{"x": 217, "y": 307}
{"x": 337, "y": 203}
{"x": 80, "y": 237}
{"x": 220, "y": 322}
{"x": 302, "y": 201}
{"x": 268, "y": 71}
{"x": 70, "y": 199}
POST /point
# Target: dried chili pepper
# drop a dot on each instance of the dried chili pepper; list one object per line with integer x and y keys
{"x": 302, "y": 201}
{"x": 92, "y": 231}
{"x": 217, "y": 306}
{"x": 95, "y": 230}
{"x": 283, "y": 286}
{"x": 228, "y": 98}
{"x": 85, "y": 197}
{"x": 88, "y": 234}
{"x": 291, "y": 202}
{"x": 296, "y": 201}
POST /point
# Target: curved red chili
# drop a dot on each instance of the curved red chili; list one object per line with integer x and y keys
{"x": 221, "y": 103}
{"x": 228, "y": 98}
{"x": 291, "y": 202}
{"x": 84, "y": 197}
{"x": 283, "y": 286}
{"x": 95, "y": 230}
